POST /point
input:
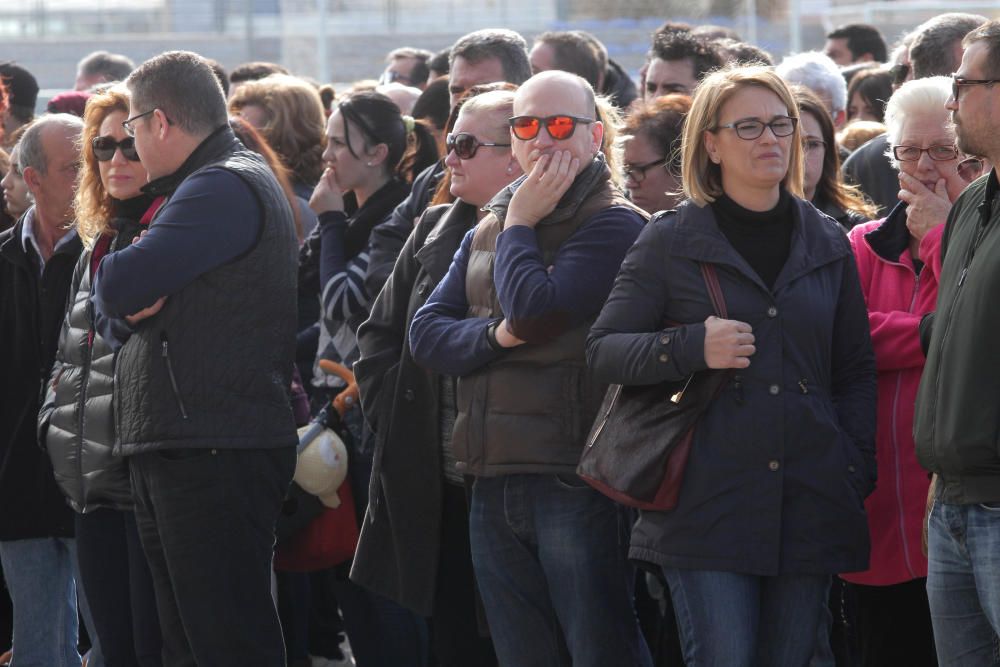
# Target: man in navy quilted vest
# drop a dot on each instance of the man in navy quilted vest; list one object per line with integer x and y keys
{"x": 204, "y": 308}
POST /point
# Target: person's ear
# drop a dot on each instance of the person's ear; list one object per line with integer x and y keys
{"x": 711, "y": 144}
{"x": 33, "y": 179}
{"x": 839, "y": 118}
{"x": 377, "y": 155}
{"x": 162, "y": 126}
{"x": 596, "y": 135}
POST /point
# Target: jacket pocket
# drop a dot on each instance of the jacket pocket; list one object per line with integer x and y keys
{"x": 165, "y": 355}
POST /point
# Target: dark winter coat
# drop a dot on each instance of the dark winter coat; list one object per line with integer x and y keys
{"x": 397, "y": 554}
{"x": 31, "y": 314}
{"x": 783, "y": 459}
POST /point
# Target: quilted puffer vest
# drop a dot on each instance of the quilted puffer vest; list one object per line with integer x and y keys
{"x": 213, "y": 367}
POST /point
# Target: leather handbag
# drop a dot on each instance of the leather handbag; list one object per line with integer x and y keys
{"x": 639, "y": 445}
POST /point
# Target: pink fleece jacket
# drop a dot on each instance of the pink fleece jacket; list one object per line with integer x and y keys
{"x": 897, "y": 298}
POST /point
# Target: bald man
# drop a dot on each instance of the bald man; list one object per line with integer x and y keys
{"x": 510, "y": 320}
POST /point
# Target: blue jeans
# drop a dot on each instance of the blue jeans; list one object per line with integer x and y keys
{"x": 727, "y": 619}
{"x": 550, "y": 557}
{"x": 963, "y": 582}
{"x": 39, "y": 574}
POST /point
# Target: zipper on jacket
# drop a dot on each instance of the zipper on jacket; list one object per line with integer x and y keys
{"x": 165, "y": 353}
{"x": 738, "y": 389}
{"x": 895, "y": 446}
{"x": 803, "y": 386}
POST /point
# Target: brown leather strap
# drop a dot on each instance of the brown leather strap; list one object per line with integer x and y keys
{"x": 714, "y": 290}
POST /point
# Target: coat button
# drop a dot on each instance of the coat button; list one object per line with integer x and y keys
{"x": 851, "y": 469}
{"x": 422, "y": 289}
{"x": 664, "y": 340}
{"x": 460, "y": 465}
{"x": 409, "y": 395}
{"x": 664, "y": 358}
{"x": 774, "y": 389}
{"x": 773, "y": 466}
{"x": 772, "y": 312}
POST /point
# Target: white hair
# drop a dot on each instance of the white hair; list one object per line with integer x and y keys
{"x": 816, "y": 71}
{"x": 919, "y": 96}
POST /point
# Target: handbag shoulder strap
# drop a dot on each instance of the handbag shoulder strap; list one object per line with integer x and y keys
{"x": 714, "y": 290}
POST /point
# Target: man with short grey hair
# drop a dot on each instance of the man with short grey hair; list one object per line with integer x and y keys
{"x": 203, "y": 307}
{"x": 37, "y": 258}
{"x": 102, "y": 67}
{"x": 937, "y": 48}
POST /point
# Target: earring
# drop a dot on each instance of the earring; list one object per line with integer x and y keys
{"x": 510, "y": 169}
{"x": 369, "y": 164}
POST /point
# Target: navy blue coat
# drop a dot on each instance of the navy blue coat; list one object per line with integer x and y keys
{"x": 783, "y": 459}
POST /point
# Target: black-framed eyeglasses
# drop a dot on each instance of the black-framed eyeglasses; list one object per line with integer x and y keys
{"x": 104, "y": 148}
{"x": 939, "y": 153}
{"x": 466, "y": 145}
{"x": 970, "y": 169}
{"x": 958, "y": 81}
{"x": 751, "y": 128}
{"x": 129, "y": 123}
{"x": 811, "y": 144}
{"x": 637, "y": 172}
{"x": 559, "y": 127}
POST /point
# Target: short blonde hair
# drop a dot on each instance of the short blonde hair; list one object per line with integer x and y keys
{"x": 93, "y": 206}
{"x": 499, "y": 103}
{"x": 295, "y": 122}
{"x": 701, "y": 178}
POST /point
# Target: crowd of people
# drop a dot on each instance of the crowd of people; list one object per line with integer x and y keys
{"x": 197, "y": 266}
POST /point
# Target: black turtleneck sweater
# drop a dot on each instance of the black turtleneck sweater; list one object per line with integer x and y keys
{"x": 763, "y": 238}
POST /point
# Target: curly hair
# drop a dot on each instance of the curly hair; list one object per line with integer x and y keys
{"x": 93, "y": 205}
{"x": 295, "y": 122}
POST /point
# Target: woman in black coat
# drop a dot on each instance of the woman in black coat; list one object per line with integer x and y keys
{"x": 772, "y": 498}
{"x": 414, "y": 545}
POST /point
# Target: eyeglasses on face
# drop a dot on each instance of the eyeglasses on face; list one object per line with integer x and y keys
{"x": 559, "y": 127}
{"x": 751, "y": 128}
{"x": 958, "y": 81}
{"x": 104, "y": 148}
{"x": 940, "y": 153}
{"x": 129, "y": 123}
{"x": 466, "y": 145}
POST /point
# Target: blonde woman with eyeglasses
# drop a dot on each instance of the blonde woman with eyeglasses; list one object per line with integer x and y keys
{"x": 771, "y": 502}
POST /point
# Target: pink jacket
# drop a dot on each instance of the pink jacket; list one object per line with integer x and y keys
{"x": 897, "y": 298}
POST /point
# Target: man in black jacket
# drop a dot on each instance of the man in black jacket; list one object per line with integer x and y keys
{"x": 958, "y": 403}
{"x": 37, "y": 257}
{"x": 202, "y": 380}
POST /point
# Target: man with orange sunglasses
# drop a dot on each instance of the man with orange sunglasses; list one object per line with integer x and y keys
{"x": 510, "y": 320}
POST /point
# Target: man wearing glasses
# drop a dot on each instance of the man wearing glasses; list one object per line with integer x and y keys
{"x": 201, "y": 403}
{"x": 958, "y": 404}
{"x": 510, "y": 320}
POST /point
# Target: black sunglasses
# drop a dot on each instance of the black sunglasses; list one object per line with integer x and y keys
{"x": 465, "y": 145}
{"x": 958, "y": 81}
{"x": 104, "y": 148}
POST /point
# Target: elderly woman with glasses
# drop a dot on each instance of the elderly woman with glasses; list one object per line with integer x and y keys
{"x": 899, "y": 259}
{"x": 651, "y": 142}
{"x": 77, "y": 420}
{"x": 771, "y": 502}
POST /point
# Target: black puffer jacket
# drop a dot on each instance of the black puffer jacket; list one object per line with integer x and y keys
{"x": 76, "y": 423}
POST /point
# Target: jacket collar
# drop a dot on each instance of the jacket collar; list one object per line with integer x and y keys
{"x": 13, "y": 250}
{"x": 587, "y": 181}
{"x": 442, "y": 241}
{"x": 891, "y": 239}
{"x": 219, "y": 144}
{"x": 816, "y": 241}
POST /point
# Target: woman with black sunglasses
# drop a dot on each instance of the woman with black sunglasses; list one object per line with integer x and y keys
{"x": 415, "y": 546}
{"x": 77, "y": 421}
{"x": 771, "y": 501}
